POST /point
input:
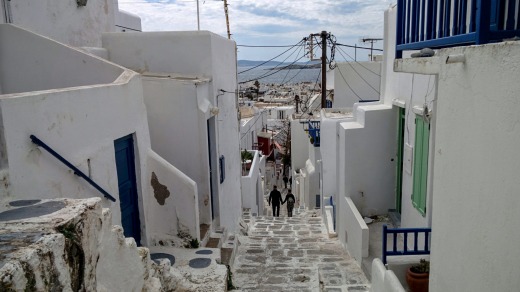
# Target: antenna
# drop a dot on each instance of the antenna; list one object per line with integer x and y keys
{"x": 371, "y": 41}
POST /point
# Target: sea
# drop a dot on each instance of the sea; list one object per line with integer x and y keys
{"x": 266, "y": 76}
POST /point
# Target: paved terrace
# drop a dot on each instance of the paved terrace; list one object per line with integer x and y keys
{"x": 294, "y": 254}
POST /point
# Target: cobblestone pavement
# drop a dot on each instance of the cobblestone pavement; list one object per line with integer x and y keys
{"x": 294, "y": 254}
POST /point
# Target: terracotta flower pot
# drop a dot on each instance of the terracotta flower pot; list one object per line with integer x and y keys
{"x": 417, "y": 282}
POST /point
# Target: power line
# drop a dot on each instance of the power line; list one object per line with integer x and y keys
{"x": 272, "y": 58}
{"x": 260, "y": 46}
{"x": 358, "y": 47}
{"x": 267, "y": 75}
{"x": 341, "y": 50}
{"x": 360, "y": 76}
{"x": 343, "y": 77}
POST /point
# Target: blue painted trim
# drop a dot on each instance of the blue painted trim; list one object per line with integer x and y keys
{"x": 222, "y": 166}
{"x": 405, "y": 251}
{"x": 422, "y": 23}
{"x": 440, "y": 43}
{"x": 314, "y": 132}
{"x": 77, "y": 172}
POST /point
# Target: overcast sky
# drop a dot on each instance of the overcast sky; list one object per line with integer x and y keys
{"x": 269, "y": 22}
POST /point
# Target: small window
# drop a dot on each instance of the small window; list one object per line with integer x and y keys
{"x": 222, "y": 166}
{"x": 420, "y": 164}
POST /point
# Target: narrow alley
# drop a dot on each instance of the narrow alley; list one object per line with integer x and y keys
{"x": 294, "y": 254}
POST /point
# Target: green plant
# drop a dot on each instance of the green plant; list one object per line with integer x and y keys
{"x": 193, "y": 243}
{"x": 230, "y": 285}
{"x": 68, "y": 230}
{"x": 246, "y": 155}
{"x": 422, "y": 267}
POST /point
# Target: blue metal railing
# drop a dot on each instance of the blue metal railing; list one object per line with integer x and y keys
{"x": 404, "y": 250}
{"x": 77, "y": 172}
{"x": 448, "y": 23}
{"x": 333, "y": 212}
{"x": 314, "y": 132}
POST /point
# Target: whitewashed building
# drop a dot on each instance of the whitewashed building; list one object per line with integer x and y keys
{"x": 437, "y": 151}
{"x": 96, "y": 115}
{"x": 189, "y": 91}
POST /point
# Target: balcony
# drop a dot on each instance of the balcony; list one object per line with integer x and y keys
{"x": 447, "y": 23}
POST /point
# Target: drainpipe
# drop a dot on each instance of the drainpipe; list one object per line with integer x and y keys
{"x": 7, "y": 11}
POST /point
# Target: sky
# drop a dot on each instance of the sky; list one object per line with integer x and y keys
{"x": 270, "y": 22}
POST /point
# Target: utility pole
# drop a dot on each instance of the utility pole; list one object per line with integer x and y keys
{"x": 198, "y": 16}
{"x": 227, "y": 19}
{"x": 324, "y": 35}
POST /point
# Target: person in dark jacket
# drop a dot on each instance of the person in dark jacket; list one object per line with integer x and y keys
{"x": 276, "y": 197}
{"x": 290, "y": 199}
{"x": 285, "y": 180}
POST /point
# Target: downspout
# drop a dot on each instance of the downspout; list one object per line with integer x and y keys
{"x": 7, "y": 11}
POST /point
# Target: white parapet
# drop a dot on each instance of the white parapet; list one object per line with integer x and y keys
{"x": 384, "y": 280}
{"x": 356, "y": 232}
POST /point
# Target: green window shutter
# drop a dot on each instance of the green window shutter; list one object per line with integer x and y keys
{"x": 420, "y": 164}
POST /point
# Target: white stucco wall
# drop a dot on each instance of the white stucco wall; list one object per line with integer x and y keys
{"x": 178, "y": 131}
{"x": 328, "y": 151}
{"x": 29, "y": 62}
{"x": 355, "y": 80}
{"x": 224, "y": 72}
{"x": 64, "y": 21}
{"x": 81, "y": 125}
{"x": 369, "y": 160}
{"x": 251, "y": 193}
{"x": 205, "y": 55}
{"x": 299, "y": 144}
{"x": 352, "y": 230}
{"x": 475, "y": 182}
{"x": 175, "y": 208}
{"x": 249, "y": 129}
{"x": 126, "y": 21}
{"x": 413, "y": 92}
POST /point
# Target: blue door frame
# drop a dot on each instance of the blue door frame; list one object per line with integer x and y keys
{"x": 124, "y": 153}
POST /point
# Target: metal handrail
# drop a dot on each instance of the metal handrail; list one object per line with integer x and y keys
{"x": 77, "y": 172}
{"x": 405, "y": 231}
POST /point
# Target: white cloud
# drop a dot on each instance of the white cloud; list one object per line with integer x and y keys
{"x": 265, "y": 22}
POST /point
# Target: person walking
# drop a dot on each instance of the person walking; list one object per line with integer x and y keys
{"x": 285, "y": 180}
{"x": 290, "y": 199}
{"x": 276, "y": 197}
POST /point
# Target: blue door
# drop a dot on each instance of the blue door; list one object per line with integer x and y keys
{"x": 124, "y": 148}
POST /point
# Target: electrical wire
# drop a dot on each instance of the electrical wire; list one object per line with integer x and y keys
{"x": 267, "y": 75}
{"x": 348, "y": 85}
{"x": 277, "y": 65}
{"x": 341, "y": 53}
{"x": 289, "y": 70}
{"x": 257, "y": 118}
{"x": 358, "y": 47}
{"x": 260, "y": 46}
{"x": 360, "y": 76}
{"x": 299, "y": 43}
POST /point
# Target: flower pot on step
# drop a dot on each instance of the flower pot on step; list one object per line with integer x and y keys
{"x": 417, "y": 282}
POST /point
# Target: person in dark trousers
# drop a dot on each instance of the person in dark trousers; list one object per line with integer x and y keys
{"x": 285, "y": 180}
{"x": 276, "y": 197}
{"x": 290, "y": 199}
{"x": 290, "y": 181}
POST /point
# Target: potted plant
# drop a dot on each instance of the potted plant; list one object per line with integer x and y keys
{"x": 418, "y": 276}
